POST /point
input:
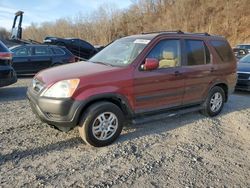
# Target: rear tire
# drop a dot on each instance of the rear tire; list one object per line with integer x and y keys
{"x": 101, "y": 124}
{"x": 214, "y": 102}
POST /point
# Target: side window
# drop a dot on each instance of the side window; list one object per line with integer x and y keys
{"x": 22, "y": 52}
{"x": 223, "y": 50}
{"x": 58, "y": 51}
{"x": 197, "y": 52}
{"x": 168, "y": 53}
{"x": 42, "y": 51}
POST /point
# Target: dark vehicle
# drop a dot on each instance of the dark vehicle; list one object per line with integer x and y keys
{"x": 31, "y": 58}
{"x": 240, "y": 52}
{"x": 7, "y": 74}
{"x": 244, "y": 46}
{"x": 243, "y": 82}
{"x": 78, "y": 47}
{"x": 140, "y": 78}
{"x": 99, "y": 47}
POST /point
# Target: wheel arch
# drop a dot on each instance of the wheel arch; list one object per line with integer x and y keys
{"x": 222, "y": 85}
{"x": 116, "y": 99}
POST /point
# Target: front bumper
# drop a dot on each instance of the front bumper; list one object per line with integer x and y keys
{"x": 61, "y": 113}
{"x": 7, "y": 76}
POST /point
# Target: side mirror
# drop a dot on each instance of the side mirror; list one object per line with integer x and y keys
{"x": 150, "y": 64}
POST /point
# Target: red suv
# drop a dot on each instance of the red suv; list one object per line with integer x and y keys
{"x": 140, "y": 78}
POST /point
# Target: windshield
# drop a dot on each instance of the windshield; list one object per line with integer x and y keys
{"x": 245, "y": 59}
{"x": 122, "y": 52}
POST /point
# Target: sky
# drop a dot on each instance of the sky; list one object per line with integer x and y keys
{"x": 38, "y": 11}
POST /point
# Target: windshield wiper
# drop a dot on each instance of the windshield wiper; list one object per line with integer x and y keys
{"x": 99, "y": 62}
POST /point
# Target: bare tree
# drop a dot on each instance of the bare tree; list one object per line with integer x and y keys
{"x": 225, "y": 17}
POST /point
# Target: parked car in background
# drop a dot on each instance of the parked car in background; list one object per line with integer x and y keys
{"x": 78, "y": 47}
{"x": 244, "y": 46}
{"x": 240, "y": 52}
{"x": 243, "y": 82}
{"x": 7, "y": 73}
{"x": 140, "y": 78}
{"x": 32, "y": 58}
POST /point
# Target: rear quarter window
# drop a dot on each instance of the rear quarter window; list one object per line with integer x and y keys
{"x": 223, "y": 50}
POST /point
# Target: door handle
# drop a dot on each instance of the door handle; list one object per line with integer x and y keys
{"x": 212, "y": 70}
{"x": 177, "y": 73}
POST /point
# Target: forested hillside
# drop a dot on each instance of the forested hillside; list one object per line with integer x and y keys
{"x": 230, "y": 18}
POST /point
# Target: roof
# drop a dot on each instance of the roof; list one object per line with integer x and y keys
{"x": 33, "y": 45}
{"x": 244, "y": 44}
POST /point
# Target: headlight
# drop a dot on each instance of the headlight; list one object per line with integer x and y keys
{"x": 62, "y": 89}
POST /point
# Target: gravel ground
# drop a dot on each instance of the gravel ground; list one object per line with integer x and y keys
{"x": 186, "y": 151}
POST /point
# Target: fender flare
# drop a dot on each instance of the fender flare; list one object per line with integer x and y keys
{"x": 118, "y": 99}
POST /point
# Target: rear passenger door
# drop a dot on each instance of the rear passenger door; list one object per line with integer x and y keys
{"x": 41, "y": 58}
{"x": 199, "y": 71}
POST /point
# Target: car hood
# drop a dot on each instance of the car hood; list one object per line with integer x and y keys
{"x": 244, "y": 67}
{"x": 71, "y": 71}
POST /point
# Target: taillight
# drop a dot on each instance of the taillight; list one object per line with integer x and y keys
{"x": 5, "y": 55}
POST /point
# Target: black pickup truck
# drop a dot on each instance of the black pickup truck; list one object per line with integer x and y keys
{"x": 78, "y": 47}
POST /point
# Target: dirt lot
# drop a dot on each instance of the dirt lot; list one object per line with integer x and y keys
{"x": 185, "y": 151}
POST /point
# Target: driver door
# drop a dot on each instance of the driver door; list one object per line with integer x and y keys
{"x": 163, "y": 87}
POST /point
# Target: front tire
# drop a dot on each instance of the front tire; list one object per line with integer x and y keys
{"x": 101, "y": 124}
{"x": 214, "y": 102}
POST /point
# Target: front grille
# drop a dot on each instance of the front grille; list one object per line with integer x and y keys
{"x": 244, "y": 76}
{"x": 37, "y": 85}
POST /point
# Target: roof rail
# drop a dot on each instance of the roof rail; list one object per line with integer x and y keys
{"x": 207, "y": 34}
{"x": 176, "y": 31}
